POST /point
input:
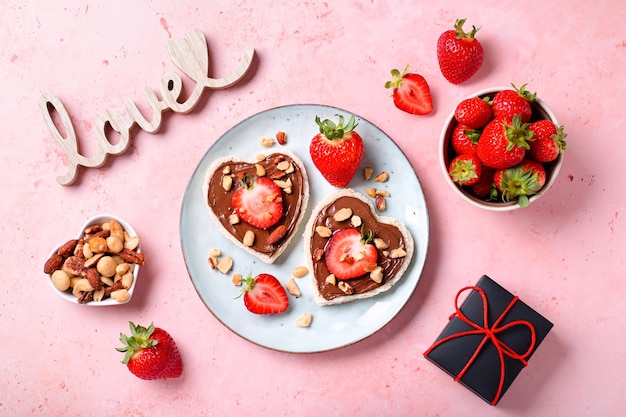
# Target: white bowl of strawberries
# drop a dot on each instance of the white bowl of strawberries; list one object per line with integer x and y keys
{"x": 501, "y": 148}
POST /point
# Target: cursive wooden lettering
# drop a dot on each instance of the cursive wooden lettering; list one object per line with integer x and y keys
{"x": 191, "y": 56}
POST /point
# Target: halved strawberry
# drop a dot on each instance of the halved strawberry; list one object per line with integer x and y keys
{"x": 264, "y": 294}
{"x": 410, "y": 92}
{"x": 349, "y": 254}
{"x": 258, "y": 201}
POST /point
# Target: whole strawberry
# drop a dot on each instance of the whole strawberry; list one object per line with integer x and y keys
{"x": 465, "y": 169}
{"x": 337, "y": 150}
{"x": 474, "y": 112}
{"x": 460, "y": 54}
{"x": 507, "y": 103}
{"x": 521, "y": 181}
{"x": 464, "y": 139}
{"x": 502, "y": 144}
{"x": 151, "y": 353}
{"x": 548, "y": 141}
{"x": 484, "y": 187}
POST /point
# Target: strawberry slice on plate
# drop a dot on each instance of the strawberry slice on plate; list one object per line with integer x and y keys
{"x": 410, "y": 92}
{"x": 264, "y": 294}
{"x": 258, "y": 201}
{"x": 349, "y": 254}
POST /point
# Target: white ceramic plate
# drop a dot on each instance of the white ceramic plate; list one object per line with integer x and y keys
{"x": 332, "y": 326}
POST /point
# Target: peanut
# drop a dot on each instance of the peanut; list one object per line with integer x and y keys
{"x": 300, "y": 271}
{"x": 304, "y": 320}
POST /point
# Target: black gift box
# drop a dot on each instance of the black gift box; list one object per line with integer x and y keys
{"x": 487, "y": 357}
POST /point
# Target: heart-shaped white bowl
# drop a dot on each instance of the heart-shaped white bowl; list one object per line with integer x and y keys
{"x": 99, "y": 219}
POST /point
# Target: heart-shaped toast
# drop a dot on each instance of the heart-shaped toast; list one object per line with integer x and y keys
{"x": 353, "y": 252}
{"x": 258, "y": 205}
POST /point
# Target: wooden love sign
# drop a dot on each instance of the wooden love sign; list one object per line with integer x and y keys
{"x": 191, "y": 56}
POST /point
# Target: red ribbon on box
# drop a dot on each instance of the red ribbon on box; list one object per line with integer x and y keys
{"x": 490, "y": 333}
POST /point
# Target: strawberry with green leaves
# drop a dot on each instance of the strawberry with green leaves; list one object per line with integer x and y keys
{"x": 460, "y": 54}
{"x": 502, "y": 144}
{"x": 337, "y": 150}
{"x": 410, "y": 92}
{"x": 521, "y": 181}
{"x": 258, "y": 201}
{"x": 507, "y": 103}
{"x": 474, "y": 112}
{"x": 465, "y": 169}
{"x": 151, "y": 353}
{"x": 264, "y": 294}
{"x": 350, "y": 253}
{"x": 548, "y": 141}
{"x": 464, "y": 139}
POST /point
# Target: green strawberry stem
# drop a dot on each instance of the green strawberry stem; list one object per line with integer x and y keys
{"x": 519, "y": 183}
{"x": 335, "y": 131}
{"x": 396, "y": 78}
{"x": 518, "y": 134}
{"x": 139, "y": 339}
{"x": 559, "y": 138}
{"x": 525, "y": 93}
{"x": 460, "y": 33}
{"x": 366, "y": 237}
{"x": 248, "y": 285}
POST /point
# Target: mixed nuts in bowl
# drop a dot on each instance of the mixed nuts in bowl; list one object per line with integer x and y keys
{"x": 501, "y": 148}
{"x": 100, "y": 266}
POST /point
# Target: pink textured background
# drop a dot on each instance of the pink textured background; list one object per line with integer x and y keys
{"x": 563, "y": 255}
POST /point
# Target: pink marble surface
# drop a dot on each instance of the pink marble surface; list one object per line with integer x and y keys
{"x": 563, "y": 255}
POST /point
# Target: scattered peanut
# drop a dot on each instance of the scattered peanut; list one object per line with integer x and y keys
{"x": 283, "y": 165}
{"x": 225, "y": 264}
{"x": 367, "y": 173}
{"x": 233, "y": 219}
{"x": 300, "y": 271}
{"x": 342, "y": 214}
{"x": 323, "y": 231}
{"x": 331, "y": 279}
{"x": 304, "y": 320}
{"x": 227, "y": 182}
{"x": 397, "y": 253}
{"x": 384, "y": 193}
{"x": 380, "y": 244}
{"x": 377, "y": 274}
{"x": 292, "y": 287}
{"x": 260, "y": 170}
{"x": 215, "y": 252}
{"x": 345, "y": 287}
{"x": 356, "y": 221}
{"x": 266, "y": 141}
{"x": 248, "y": 238}
{"x": 382, "y": 177}
{"x": 236, "y": 279}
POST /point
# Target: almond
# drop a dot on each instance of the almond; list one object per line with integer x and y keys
{"x": 277, "y": 234}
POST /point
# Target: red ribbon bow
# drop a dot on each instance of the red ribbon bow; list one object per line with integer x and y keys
{"x": 490, "y": 334}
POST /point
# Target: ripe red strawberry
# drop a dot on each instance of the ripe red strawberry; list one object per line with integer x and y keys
{"x": 337, "y": 150}
{"x": 349, "y": 254}
{"x": 465, "y": 169}
{"x": 521, "y": 181}
{"x": 151, "y": 353}
{"x": 548, "y": 141}
{"x": 410, "y": 92}
{"x": 503, "y": 145}
{"x": 464, "y": 139}
{"x": 507, "y": 103}
{"x": 258, "y": 201}
{"x": 484, "y": 187}
{"x": 474, "y": 112}
{"x": 264, "y": 294}
{"x": 460, "y": 54}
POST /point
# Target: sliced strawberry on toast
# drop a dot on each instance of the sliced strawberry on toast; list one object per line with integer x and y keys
{"x": 258, "y": 202}
{"x": 350, "y": 254}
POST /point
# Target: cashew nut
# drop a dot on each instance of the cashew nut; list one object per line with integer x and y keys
{"x": 81, "y": 285}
